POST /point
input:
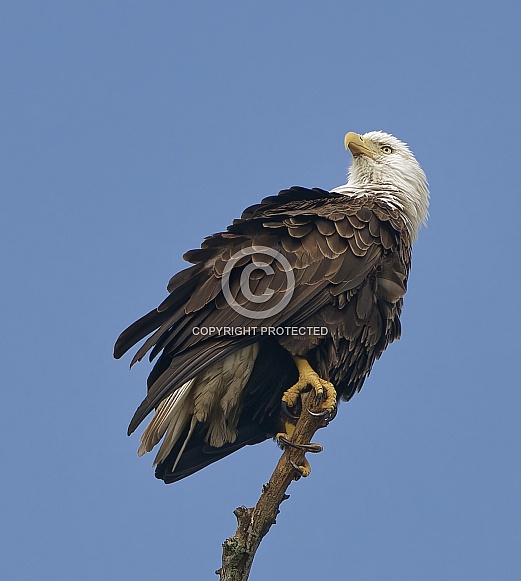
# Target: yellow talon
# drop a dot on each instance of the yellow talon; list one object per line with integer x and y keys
{"x": 326, "y": 395}
{"x": 309, "y": 377}
{"x": 280, "y": 437}
{"x": 303, "y": 470}
{"x": 289, "y": 428}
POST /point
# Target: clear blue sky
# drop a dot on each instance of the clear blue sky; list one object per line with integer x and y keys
{"x": 130, "y": 130}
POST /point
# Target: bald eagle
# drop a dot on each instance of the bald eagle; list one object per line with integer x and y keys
{"x": 304, "y": 291}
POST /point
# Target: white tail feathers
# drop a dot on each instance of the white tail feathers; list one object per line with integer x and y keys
{"x": 168, "y": 416}
{"x": 212, "y": 397}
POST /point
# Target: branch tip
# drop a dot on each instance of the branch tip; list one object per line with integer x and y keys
{"x": 254, "y": 523}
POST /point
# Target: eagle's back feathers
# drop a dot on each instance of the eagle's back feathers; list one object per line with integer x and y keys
{"x": 350, "y": 256}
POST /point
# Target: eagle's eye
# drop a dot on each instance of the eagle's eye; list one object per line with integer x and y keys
{"x": 387, "y": 149}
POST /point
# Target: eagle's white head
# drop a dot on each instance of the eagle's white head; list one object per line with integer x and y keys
{"x": 387, "y": 165}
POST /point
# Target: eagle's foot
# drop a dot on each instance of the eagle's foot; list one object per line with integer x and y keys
{"x": 284, "y": 442}
{"x": 326, "y": 414}
{"x": 308, "y": 377}
{"x": 303, "y": 470}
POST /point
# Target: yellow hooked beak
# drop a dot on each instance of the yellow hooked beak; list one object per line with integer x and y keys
{"x": 357, "y": 144}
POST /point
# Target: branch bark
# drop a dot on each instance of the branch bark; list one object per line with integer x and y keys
{"x": 254, "y": 523}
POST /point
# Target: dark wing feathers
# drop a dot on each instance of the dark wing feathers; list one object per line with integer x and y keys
{"x": 333, "y": 243}
{"x": 137, "y": 331}
{"x": 180, "y": 287}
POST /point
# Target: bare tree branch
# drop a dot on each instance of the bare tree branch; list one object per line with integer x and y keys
{"x": 254, "y": 523}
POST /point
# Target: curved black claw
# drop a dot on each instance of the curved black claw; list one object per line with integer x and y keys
{"x": 332, "y": 414}
{"x": 287, "y": 412}
{"x": 318, "y": 414}
{"x": 313, "y": 448}
{"x": 297, "y": 467}
{"x": 326, "y": 414}
{"x": 302, "y": 471}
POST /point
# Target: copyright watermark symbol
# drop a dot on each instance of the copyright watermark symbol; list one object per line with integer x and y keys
{"x": 270, "y": 302}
